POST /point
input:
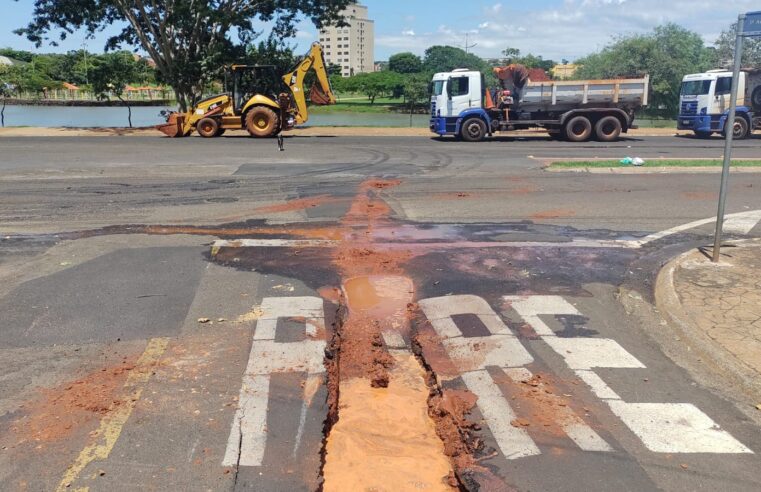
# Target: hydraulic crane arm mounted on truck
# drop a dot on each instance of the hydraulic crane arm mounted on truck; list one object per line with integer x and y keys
{"x": 257, "y": 101}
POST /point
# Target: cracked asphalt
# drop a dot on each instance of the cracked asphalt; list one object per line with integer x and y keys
{"x": 128, "y": 328}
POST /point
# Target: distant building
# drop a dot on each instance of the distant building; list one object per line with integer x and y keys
{"x": 565, "y": 71}
{"x": 351, "y": 47}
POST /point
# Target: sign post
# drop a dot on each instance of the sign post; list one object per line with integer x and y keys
{"x": 748, "y": 25}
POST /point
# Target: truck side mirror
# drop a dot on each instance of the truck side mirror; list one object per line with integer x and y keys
{"x": 449, "y": 89}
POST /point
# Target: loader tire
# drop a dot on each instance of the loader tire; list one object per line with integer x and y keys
{"x": 578, "y": 129}
{"x": 608, "y": 129}
{"x": 208, "y": 127}
{"x": 262, "y": 122}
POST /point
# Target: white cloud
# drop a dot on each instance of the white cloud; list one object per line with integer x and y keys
{"x": 571, "y": 28}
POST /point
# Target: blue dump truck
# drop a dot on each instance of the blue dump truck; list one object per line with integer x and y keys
{"x": 705, "y": 98}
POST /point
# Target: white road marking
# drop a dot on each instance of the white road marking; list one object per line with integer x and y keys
{"x": 472, "y": 355}
{"x": 584, "y": 437}
{"x": 248, "y": 434}
{"x": 393, "y": 339}
{"x": 514, "y": 442}
{"x": 587, "y": 353}
{"x": 597, "y": 385}
{"x": 739, "y": 223}
{"x": 274, "y": 243}
{"x": 743, "y": 223}
{"x": 675, "y": 428}
{"x": 662, "y": 427}
{"x": 439, "y": 311}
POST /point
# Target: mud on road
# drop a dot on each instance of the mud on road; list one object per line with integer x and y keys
{"x": 407, "y": 356}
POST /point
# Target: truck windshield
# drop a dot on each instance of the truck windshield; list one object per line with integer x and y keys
{"x": 696, "y": 87}
{"x": 437, "y": 87}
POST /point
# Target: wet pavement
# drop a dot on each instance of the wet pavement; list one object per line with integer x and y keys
{"x": 462, "y": 312}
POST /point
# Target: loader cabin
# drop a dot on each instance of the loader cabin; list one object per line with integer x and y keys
{"x": 248, "y": 80}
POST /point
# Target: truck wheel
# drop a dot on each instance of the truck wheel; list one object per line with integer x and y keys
{"x": 261, "y": 121}
{"x": 739, "y": 129}
{"x": 608, "y": 129}
{"x": 703, "y": 135}
{"x": 473, "y": 130}
{"x": 578, "y": 129}
{"x": 207, "y": 127}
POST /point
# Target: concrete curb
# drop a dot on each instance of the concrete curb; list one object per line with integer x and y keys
{"x": 720, "y": 360}
{"x": 653, "y": 170}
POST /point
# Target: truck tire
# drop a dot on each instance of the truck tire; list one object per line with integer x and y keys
{"x": 208, "y": 127}
{"x": 262, "y": 122}
{"x": 473, "y": 130}
{"x": 739, "y": 130}
{"x": 608, "y": 129}
{"x": 755, "y": 99}
{"x": 578, "y": 129}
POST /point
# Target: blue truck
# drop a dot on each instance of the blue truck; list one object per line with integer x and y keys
{"x": 705, "y": 98}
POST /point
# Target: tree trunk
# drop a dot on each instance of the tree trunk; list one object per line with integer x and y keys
{"x": 129, "y": 110}
{"x": 2, "y": 114}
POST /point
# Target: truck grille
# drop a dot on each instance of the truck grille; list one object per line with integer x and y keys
{"x": 689, "y": 107}
{"x": 433, "y": 108}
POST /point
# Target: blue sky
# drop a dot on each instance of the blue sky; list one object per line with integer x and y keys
{"x": 555, "y": 29}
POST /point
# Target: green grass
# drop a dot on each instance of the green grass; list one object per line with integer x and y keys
{"x": 655, "y": 163}
{"x": 655, "y": 123}
{"x": 357, "y": 103}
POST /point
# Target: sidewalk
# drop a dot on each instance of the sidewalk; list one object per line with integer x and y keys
{"x": 717, "y": 308}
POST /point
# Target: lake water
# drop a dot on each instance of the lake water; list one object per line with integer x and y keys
{"x": 58, "y": 116}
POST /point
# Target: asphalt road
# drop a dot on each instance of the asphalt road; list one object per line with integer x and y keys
{"x": 109, "y": 258}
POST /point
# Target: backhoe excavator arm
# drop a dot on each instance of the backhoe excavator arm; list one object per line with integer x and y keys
{"x": 295, "y": 82}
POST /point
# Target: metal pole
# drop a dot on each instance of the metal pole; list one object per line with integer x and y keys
{"x": 730, "y": 126}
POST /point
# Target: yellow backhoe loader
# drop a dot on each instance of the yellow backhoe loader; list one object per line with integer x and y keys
{"x": 257, "y": 101}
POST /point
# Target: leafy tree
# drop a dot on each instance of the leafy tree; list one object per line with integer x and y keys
{"x": 272, "y": 52}
{"x": 510, "y": 54}
{"x": 374, "y": 84}
{"x": 24, "y": 56}
{"x": 405, "y": 63}
{"x": 415, "y": 91}
{"x": 666, "y": 54}
{"x": 8, "y": 86}
{"x": 532, "y": 61}
{"x": 447, "y": 58}
{"x": 111, "y": 76}
{"x": 725, "y": 49}
{"x": 189, "y": 40}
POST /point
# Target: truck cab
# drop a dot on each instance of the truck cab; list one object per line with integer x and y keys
{"x": 457, "y": 97}
{"x": 704, "y": 104}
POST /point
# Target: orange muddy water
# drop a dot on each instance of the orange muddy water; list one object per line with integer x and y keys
{"x": 384, "y": 439}
{"x": 383, "y": 434}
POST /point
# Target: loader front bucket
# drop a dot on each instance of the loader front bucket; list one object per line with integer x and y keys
{"x": 174, "y": 126}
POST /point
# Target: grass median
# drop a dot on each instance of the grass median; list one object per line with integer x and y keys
{"x": 654, "y": 163}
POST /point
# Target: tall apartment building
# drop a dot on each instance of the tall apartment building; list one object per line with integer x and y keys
{"x": 352, "y": 47}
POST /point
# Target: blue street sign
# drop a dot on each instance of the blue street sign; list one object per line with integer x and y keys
{"x": 752, "y": 24}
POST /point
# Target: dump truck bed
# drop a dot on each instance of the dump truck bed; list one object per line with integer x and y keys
{"x": 557, "y": 94}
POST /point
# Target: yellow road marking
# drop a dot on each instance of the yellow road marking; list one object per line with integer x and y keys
{"x": 111, "y": 425}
